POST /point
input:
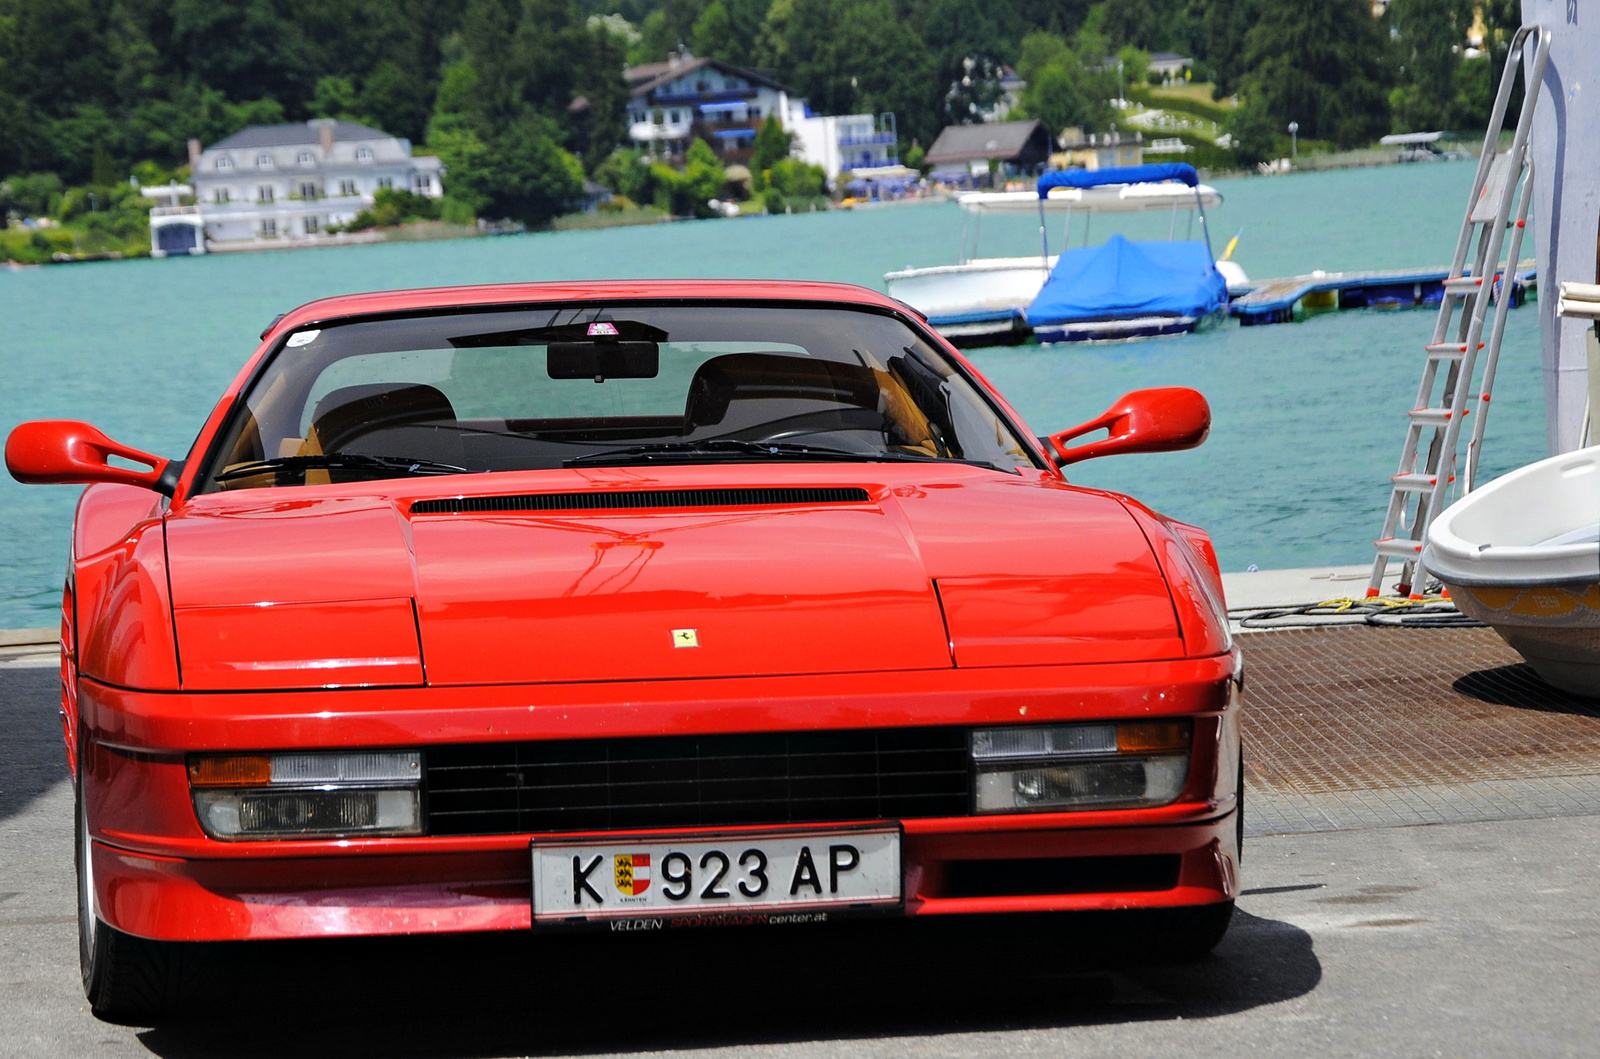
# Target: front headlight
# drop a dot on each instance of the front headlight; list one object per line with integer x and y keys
{"x": 1080, "y": 766}
{"x": 308, "y": 795}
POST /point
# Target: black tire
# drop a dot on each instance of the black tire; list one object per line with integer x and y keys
{"x": 127, "y": 979}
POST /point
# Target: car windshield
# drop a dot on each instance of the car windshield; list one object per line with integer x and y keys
{"x": 603, "y": 385}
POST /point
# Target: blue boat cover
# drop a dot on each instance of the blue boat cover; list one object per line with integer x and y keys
{"x": 1122, "y": 279}
{"x": 1154, "y": 173}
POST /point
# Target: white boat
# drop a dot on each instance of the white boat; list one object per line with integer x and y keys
{"x": 1523, "y": 554}
{"x": 982, "y": 301}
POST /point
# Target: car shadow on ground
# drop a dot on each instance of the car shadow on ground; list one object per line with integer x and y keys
{"x": 499, "y": 995}
{"x": 34, "y": 759}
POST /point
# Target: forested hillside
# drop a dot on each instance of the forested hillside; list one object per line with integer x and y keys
{"x": 516, "y": 94}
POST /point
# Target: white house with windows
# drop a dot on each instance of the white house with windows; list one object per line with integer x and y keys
{"x": 685, "y": 98}
{"x": 841, "y": 143}
{"x": 271, "y": 183}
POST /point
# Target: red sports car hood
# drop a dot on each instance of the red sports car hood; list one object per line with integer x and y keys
{"x": 830, "y": 569}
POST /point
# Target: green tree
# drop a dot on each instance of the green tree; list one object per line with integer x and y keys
{"x": 1134, "y": 22}
{"x": 550, "y": 44}
{"x": 335, "y": 97}
{"x": 1055, "y": 96}
{"x": 859, "y": 56}
{"x": 657, "y": 39}
{"x": 796, "y": 179}
{"x": 453, "y": 135}
{"x": 627, "y": 172}
{"x": 1428, "y": 36}
{"x": 773, "y": 143}
{"x": 1475, "y": 89}
{"x": 701, "y": 181}
{"x": 1061, "y": 90}
{"x": 32, "y": 195}
{"x": 1254, "y": 132}
{"x": 1321, "y": 65}
{"x": 1038, "y": 50}
{"x": 770, "y": 50}
{"x": 1158, "y": 25}
{"x": 396, "y": 101}
{"x": 969, "y": 39}
{"x": 746, "y": 18}
{"x": 524, "y": 174}
{"x": 975, "y": 90}
{"x": 392, "y": 207}
{"x": 713, "y": 36}
{"x": 602, "y": 116}
{"x": 1220, "y": 30}
{"x": 245, "y": 45}
{"x": 1135, "y": 62}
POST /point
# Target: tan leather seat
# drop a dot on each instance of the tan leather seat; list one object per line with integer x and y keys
{"x": 741, "y": 390}
{"x": 386, "y": 419}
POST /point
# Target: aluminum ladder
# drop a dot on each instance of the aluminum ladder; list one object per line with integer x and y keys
{"x": 1499, "y": 202}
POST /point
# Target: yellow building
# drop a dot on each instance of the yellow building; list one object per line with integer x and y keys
{"x": 1105, "y": 150}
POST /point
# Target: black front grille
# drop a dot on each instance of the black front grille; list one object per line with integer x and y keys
{"x": 1061, "y": 875}
{"x": 697, "y": 781}
{"x": 641, "y": 498}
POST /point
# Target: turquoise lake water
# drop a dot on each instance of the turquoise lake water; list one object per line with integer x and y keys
{"x": 1308, "y": 416}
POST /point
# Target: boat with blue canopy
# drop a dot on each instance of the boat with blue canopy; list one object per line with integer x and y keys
{"x": 983, "y": 301}
{"x": 1122, "y": 288}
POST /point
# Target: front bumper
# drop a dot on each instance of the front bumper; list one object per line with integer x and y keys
{"x": 488, "y": 889}
{"x": 158, "y": 876}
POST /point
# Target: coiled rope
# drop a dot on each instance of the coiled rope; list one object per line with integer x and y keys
{"x": 1429, "y": 612}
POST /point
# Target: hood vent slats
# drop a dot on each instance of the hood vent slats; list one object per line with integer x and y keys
{"x": 646, "y": 498}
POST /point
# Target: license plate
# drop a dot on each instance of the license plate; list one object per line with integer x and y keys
{"x": 746, "y": 876}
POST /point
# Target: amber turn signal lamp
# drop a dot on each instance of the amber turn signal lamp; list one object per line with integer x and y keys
{"x": 252, "y": 771}
{"x": 1154, "y": 737}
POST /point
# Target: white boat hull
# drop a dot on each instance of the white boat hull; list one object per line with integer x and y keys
{"x": 976, "y": 303}
{"x": 1523, "y": 554}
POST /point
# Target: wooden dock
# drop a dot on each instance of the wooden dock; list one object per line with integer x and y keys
{"x": 1274, "y": 301}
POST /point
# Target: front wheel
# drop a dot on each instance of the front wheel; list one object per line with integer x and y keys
{"x": 126, "y": 979}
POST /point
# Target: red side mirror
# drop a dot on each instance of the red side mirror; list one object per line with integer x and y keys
{"x": 1160, "y": 420}
{"x": 47, "y": 451}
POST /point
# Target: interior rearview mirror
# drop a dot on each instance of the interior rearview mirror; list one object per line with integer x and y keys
{"x": 626, "y": 359}
{"x": 49, "y": 451}
{"x": 1159, "y": 420}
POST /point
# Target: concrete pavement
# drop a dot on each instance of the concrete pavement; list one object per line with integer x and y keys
{"x": 1472, "y": 939}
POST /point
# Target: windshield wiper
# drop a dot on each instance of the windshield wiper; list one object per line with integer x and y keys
{"x": 344, "y": 460}
{"x": 681, "y": 450}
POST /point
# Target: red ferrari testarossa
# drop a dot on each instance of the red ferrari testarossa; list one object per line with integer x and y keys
{"x": 553, "y": 605}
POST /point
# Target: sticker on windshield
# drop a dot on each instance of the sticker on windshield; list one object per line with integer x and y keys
{"x": 600, "y": 328}
{"x": 302, "y": 338}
